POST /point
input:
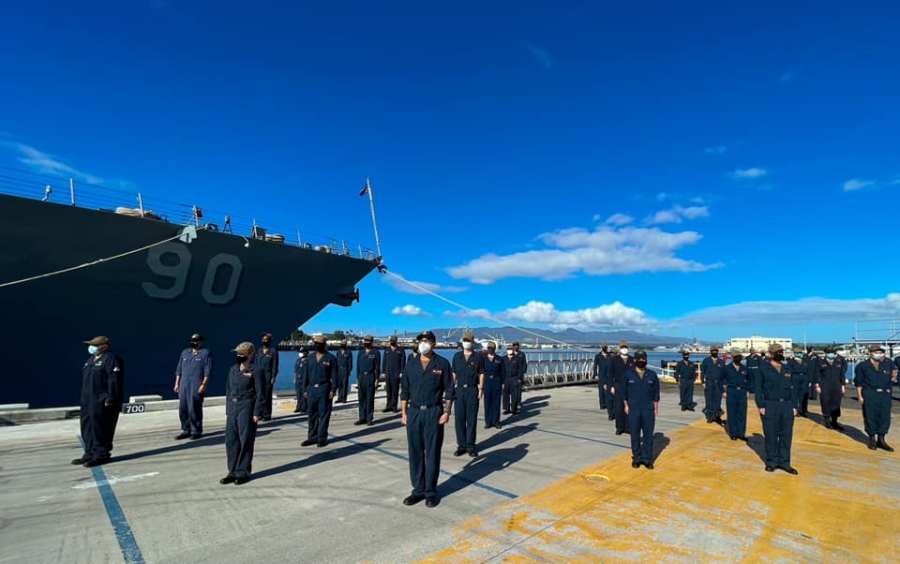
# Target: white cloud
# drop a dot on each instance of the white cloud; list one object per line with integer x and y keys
{"x": 410, "y": 310}
{"x": 662, "y": 197}
{"x": 715, "y": 150}
{"x": 619, "y": 219}
{"x": 856, "y": 184}
{"x": 698, "y": 200}
{"x": 677, "y": 214}
{"x": 541, "y": 55}
{"x": 749, "y": 173}
{"x": 603, "y": 251}
{"x": 801, "y": 312}
{"x": 610, "y": 316}
{"x": 401, "y": 286}
{"x": 45, "y": 163}
{"x": 479, "y": 313}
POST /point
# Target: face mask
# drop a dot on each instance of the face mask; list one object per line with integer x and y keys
{"x": 830, "y": 356}
{"x": 195, "y": 345}
{"x": 92, "y": 349}
{"x": 241, "y": 358}
{"x": 623, "y": 351}
{"x": 302, "y": 355}
{"x": 686, "y": 356}
{"x": 640, "y": 363}
{"x": 778, "y": 356}
{"x": 320, "y": 347}
{"x": 424, "y": 347}
{"x": 492, "y": 352}
{"x": 737, "y": 359}
{"x": 467, "y": 345}
{"x": 509, "y": 353}
{"x": 878, "y": 356}
{"x": 266, "y": 342}
{"x": 714, "y": 355}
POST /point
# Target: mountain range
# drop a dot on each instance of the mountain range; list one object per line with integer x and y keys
{"x": 574, "y": 336}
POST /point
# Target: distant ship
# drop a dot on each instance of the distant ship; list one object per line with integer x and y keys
{"x": 226, "y": 286}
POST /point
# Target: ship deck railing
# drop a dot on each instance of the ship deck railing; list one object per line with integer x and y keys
{"x": 86, "y": 195}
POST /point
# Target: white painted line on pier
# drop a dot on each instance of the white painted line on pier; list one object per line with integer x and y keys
{"x": 113, "y": 480}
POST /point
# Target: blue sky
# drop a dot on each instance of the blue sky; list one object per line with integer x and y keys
{"x": 689, "y": 168}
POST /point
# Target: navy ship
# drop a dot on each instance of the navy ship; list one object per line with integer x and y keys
{"x": 227, "y": 286}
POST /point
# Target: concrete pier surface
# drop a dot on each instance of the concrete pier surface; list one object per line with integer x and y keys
{"x": 555, "y": 484}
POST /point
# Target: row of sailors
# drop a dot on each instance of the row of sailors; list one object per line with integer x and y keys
{"x": 781, "y": 384}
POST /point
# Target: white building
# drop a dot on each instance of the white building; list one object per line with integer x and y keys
{"x": 757, "y": 343}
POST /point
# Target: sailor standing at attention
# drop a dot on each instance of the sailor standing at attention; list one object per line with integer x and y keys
{"x": 300, "y": 366}
{"x": 618, "y": 366}
{"x": 102, "y": 391}
{"x": 468, "y": 376}
{"x": 244, "y": 404}
{"x": 713, "y": 371}
{"x": 394, "y": 361}
{"x": 737, "y": 385}
{"x": 267, "y": 359}
{"x": 494, "y": 374}
{"x": 830, "y": 386}
{"x": 640, "y": 396}
{"x": 686, "y": 374}
{"x": 426, "y": 402}
{"x": 873, "y": 389}
{"x": 599, "y": 371}
{"x": 345, "y": 366}
{"x": 191, "y": 378}
{"x": 801, "y": 381}
{"x": 776, "y": 396}
{"x": 368, "y": 367}
{"x": 318, "y": 386}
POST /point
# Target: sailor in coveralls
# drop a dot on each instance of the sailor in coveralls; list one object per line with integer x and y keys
{"x": 245, "y": 402}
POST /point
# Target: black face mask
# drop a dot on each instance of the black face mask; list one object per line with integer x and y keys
{"x": 492, "y": 351}
{"x": 195, "y": 345}
{"x": 240, "y": 358}
{"x": 640, "y": 363}
{"x": 266, "y": 342}
{"x": 686, "y": 356}
{"x": 738, "y": 358}
{"x": 714, "y": 355}
{"x": 320, "y": 347}
{"x": 778, "y": 357}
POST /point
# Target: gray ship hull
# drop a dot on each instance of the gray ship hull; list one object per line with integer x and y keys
{"x": 147, "y": 303}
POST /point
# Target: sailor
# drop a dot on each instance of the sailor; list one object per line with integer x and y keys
{"x": 599, "y": 370}
{"x": 737, "y": 385}
{"x": 468, "y": 376}
{"x": 801, "y": 381}
{"x": 513, "y": 382}
{"x": 640, "y": 396}
{"x": 426, "y": 402}
{"x": 686, "y": 374}
{"x": 300, "y": 366}
{"x": 318, "y": 386}
{"x": 494, "y": 375}
{"x": 394, "y": 361}
{"x": 368, "y": 367}
{"x": 267, "y": 359}
{"x": 752, "y": 363}
{"x": 873, "y": 389}
{"x": 191, "y": 378}
{"x": 345, "y": 366}
{"x": 102, "y": 381}
{"x": 712, "y": 369}
{"x": 776, "y": 397}
{"x": 618, "y": 366}
{"x": 245, "y": 403}
{"x": 829, "y": 384}
{"x": 522, "y": 371}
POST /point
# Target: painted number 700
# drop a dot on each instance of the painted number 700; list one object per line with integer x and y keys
{"x": 178, "y": 273}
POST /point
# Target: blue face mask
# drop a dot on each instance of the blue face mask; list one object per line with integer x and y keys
{"x": 92, "y": 349}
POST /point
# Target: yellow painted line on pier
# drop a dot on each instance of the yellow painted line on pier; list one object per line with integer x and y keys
{"x": 709, "y": 500}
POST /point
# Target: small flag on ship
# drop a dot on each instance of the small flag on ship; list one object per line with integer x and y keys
{"x": 365, "y": 190}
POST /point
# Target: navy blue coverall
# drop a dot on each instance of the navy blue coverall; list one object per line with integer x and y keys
{"x": 192, "y": 369}
{"x": 686, "y": 373}
{"x": 426, "y": 390}
{"x": 244, "y": 399}
{"x": 640, "y": 393}
{"x": 268, "y": 363}
{"x": 753, "y": 368}
{"x": 618, "y": 366}
{"x": 345, "y": 367}
{"x": 802, "y": 381}
{"x": 394, "y": 361}
{"x": 368, "y": 367}
{"x": 737, "y": 384}
{"x": 300, "y": 366}
{"x": 494, "y": 375}
{"x": 516, "y": 365}
{"x": 831, "y": 381}
{"x": 776, "y": 393}
{"x": 599, "y": 371}
{"x": 467, "y": 374}
{"x": 713, "y": 371}
{"x": 319, "y": 383}
{"x": 876, "y": 393}
{"x": 102, "y": 381}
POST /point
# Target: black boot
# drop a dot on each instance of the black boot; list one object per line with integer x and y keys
{"x": 884, "y": 445}
{"x": 871, "y": 443}
{"x": 836, "y": 425}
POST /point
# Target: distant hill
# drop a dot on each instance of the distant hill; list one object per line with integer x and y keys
{"x": 568, "y": 335}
